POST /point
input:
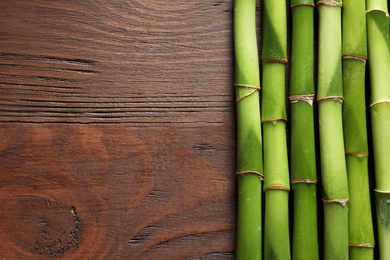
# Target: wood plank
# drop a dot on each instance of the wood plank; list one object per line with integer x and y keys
{"x": 117, "y": 136}
{"x": 115, "y": 62}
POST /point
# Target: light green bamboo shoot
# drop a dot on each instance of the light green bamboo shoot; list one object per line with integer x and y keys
{"x": 361, "y": 233}
{"x": 330, "y": 98}
{"x": 276, "y": 173}
{"x": 303, "y": 155}
{"x": 249, "y": 143}
{"x": 379, "y": 65}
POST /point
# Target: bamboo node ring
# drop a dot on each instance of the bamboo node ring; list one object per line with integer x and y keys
{"x": 302, "y": 180}
{"x": 330, "y": 3}
{"x": 261, "y": 176}
{"x": 356, "y": 154}
{"x": 363, "y": 245}
{"x": 302, "y": 4}
{"x": 342, "y": 202}
{"x": 380, "y": 102}
{"x": 274, "y": 120}
{"x": 382, "y": 191}
{"x": 254, "y": 89}
{"x": 276, "y": 60}
{"x": 332, "y": 98}
{"x": 276, "y": 187}
{"x": 354, "y": 57}
{"x": 378, "y": 9}
{"x": 308, "y": 98}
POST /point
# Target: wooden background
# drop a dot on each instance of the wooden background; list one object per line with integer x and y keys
{"x": 117, "y": 131}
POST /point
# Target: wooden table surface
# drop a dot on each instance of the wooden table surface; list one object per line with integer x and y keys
{"x": 117, "y": 129}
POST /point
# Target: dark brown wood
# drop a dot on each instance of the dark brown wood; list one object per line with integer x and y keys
{"x": 117, "y": 132}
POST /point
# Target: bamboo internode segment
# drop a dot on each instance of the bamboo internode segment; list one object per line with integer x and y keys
{"x": 254, "y": 89}
{"x": 261, "y": 176}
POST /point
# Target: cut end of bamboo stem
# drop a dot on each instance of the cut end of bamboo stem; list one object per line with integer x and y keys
{"x": 342, "y": 202}
{"x": 261, "y": 176}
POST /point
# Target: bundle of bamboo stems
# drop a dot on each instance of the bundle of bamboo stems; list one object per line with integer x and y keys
{"x": 328, "y": 138}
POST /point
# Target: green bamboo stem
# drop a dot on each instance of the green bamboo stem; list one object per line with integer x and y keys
{"x": 330, "y": 98}
{"x": 249, "y": 143}
{"x": 276, "y": 173}
{"x": 379, "y": 67}
{"x": 303, "y": 157}
{"x": 361, "y": 233}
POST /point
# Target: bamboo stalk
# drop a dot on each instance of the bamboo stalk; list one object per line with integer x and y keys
{"x": 303, "y": 157}
{"x": 379, "y": 67}
{"x": 330, "y": 98}
{"x": 276, "y": 182}
{"x": 249, "y": 142}
{"x": 361, "y": 233}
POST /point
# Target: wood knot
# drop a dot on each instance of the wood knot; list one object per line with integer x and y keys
{"x": 51, "y": 227}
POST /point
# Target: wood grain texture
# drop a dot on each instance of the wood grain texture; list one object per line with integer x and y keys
{"x": 117, "y": 132}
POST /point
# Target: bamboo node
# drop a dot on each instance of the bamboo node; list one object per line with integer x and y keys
{"x": 261, "y": 176}
{"x": 277, "y": 60}
{"x": 363, "y": 245}
{"x": 308, "y": 98}
{"x": 276, "y": 187}
{"x": 377, "y": 9}
{"x": 380, "y": 102}
{"x": 354, "y": 57}
{"x": 361, "y": 155}
{"x": 330, "y": 3}
{"x": 382, "y": 191}
{"x": 302, "y": 4}
{"x": 342, "y": 202}
{"x": 274, "y": 120}
{"x": 254, "y": 89}
{"x": 332, "y": 98}
{"x": 303, "y": 180}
